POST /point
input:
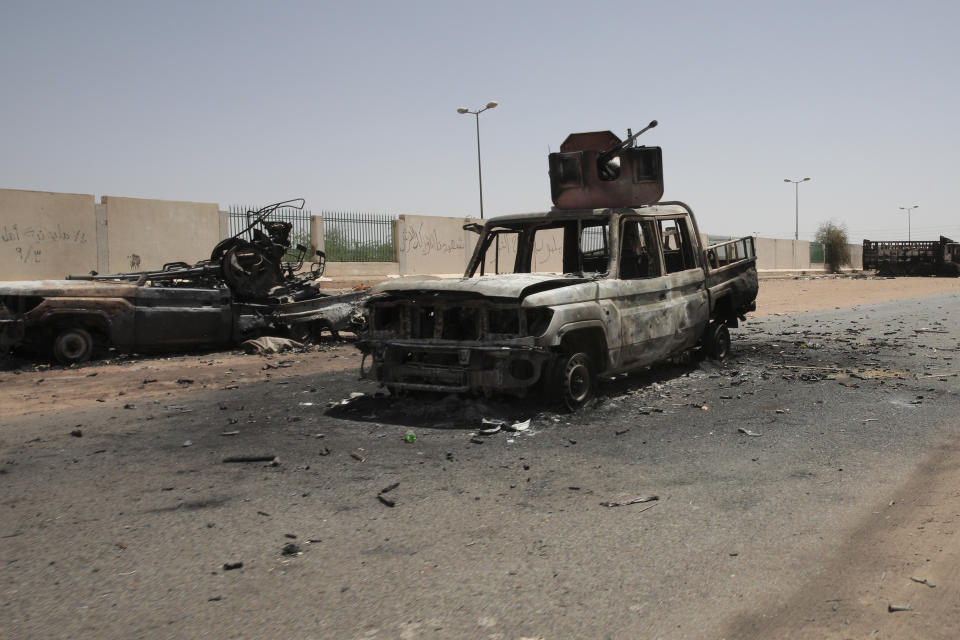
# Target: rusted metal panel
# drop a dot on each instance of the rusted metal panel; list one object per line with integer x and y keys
{"x": 598, "y": 169}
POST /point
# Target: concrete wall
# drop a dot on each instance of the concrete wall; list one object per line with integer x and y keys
{"x": 145, "y": 234}
{"x": 49, "y": 235}
{"x": 431, "y": 244}
{"x": 46, "y": 235}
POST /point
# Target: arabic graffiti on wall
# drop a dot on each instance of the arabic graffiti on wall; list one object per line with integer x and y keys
{"x": 415, "y": 240}
{"x": 27, "y": 242}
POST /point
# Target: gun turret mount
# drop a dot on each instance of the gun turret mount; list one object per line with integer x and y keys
{"x": 597, "y": 169}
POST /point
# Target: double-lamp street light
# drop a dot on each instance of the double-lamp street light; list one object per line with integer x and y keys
{"x": 908, "y": 210}
{"x": 490, "y": 105}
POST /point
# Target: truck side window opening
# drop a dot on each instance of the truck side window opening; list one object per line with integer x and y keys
{"x": 677, "y": 253}
{"x": 594, "y": 248}
{"x": 635, "y": 256}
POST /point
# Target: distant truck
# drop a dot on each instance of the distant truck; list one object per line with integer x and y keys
{"x": 630, "y": 284}
{"x": 921, "y": 258}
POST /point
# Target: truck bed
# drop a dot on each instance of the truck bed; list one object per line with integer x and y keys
{"x": 731, "y": 279}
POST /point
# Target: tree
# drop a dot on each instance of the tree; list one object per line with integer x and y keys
{"x": 836, "y": 254}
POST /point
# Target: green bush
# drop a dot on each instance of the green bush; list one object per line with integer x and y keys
{"x": 833, "y": 236}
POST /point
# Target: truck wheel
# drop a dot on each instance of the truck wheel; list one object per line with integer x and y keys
{"x": 73, "y": 345}
{"x": 717, "y": 341}
{"x": 573, "y": 380}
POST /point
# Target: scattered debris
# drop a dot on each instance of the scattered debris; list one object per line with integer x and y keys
{"x": 476, "y": 440}
{"x": 518, "y": 426}
{"x": 269, "y": 344}
{"x": 77, "y": 433}
{"x": 291, "y": 549}
{"x": 923, "y": 581}
{"x": 357, "y": 456}
{"x": 182, "y": 408}
{"x": 187, "y": 443}
{"x": 390, "y": 502}
{"x": 230, "y": 566}
{"x": 410, "y": 437}
{"x": 263, "y": 458}
{"x": 230, "y": 433}
{"x": 490, "y": 427}
{"x": 628, "y": 502}
{"x": 747, "y": 432}
{"x": 893, "y": 608}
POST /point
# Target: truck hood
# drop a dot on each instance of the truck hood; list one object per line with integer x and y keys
{"x": 511, "y": 286}
{"x": 68, "y": 288}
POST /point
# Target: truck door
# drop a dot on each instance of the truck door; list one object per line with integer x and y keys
{"x": 640, "y": 296}
{"x": 182, "y": 316}
{"x": 684, "y": 280}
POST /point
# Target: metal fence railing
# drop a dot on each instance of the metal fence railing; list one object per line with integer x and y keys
{"x": 358, "y": 237}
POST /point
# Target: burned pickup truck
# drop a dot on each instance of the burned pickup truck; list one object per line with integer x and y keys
{"x": 552, "y": 300}
{"x": 245, "y": 289}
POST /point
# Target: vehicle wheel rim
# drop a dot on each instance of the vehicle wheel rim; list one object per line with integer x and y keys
{"x": 723, "y": 343}
{"x": 74, "y": 347}
{"x": 578, "y": 381}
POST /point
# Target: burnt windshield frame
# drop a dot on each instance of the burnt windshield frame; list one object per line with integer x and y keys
{"x": 526, "y": 231}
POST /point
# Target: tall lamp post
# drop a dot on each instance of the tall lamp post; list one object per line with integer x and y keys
{"x": 796, "y": 219}
{"x": 908, "y": 210}
{"x": 490, "y": 105}
{"x": 796, "y": 228}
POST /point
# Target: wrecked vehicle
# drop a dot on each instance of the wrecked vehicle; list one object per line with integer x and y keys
{"x": 245, "y": 289}
{"x": 608, "y": 281}
{"x": 913, "y": 258}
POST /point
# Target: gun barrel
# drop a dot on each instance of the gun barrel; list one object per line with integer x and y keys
{"x": 610, "y": 153}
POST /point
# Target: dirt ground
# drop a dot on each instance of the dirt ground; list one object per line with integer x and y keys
{"x": 911, "y": 537}
{"x": 155, "y": 378}
{"x": 828, "y": 292}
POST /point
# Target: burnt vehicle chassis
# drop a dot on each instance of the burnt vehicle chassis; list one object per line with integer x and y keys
{"x": 629, "y": 284}
{"x": 916, "y": 258}
{"x": 245, "y": 289}
{"x": 555, "y": 333}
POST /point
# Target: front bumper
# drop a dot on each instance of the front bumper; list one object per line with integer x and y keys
{"x": 453, "y": 368}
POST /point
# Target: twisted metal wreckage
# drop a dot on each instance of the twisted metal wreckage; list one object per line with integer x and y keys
{"x": 244, "y": 290}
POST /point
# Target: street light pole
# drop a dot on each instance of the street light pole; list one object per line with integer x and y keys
{"x": 490, "y": 105}
{"x": 796, "y": 218}
{"x": 908, "y": 210}
{"x": 796, "y": 229}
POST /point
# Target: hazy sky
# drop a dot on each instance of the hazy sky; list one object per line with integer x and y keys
{"x": 352, "y": 105}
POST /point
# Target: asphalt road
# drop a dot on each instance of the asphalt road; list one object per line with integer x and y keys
{"x": 125, "y": 531}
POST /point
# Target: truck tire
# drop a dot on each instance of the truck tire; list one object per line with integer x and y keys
{"x": 716, "y": 341}
{"x": 73, "y": 345}
{"x": 573, "y": 379}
